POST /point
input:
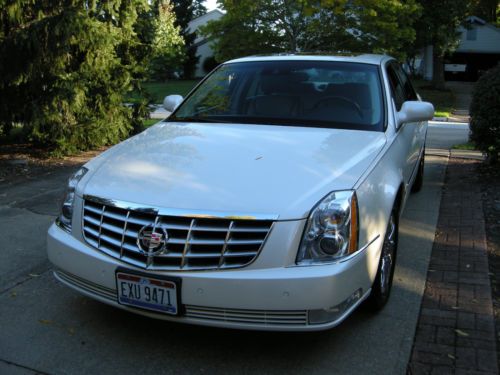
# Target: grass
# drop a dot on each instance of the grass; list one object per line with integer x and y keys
{"x": 442, "y": 113}
{"x": 151, "y": 121}
{"x": 465, "y": 146}
{"x": 442, "y": 99}
{"x": 158, "y": 90}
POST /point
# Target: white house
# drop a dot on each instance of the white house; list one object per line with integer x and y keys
{"x": 202, "y": 43}
{"x": 478, "y": 51}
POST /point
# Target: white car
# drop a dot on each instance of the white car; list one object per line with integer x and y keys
{"x": 269, "y": 199}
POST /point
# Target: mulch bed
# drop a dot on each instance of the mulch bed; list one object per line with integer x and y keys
{"x": 22, "y": 162}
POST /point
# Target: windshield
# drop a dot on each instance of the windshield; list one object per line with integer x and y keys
{"x": 302, "y": 93}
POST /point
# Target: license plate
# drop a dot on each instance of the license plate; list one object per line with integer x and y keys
{"x": 147, "y": 293}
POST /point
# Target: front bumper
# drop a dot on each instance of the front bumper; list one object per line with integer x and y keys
{"x": 278, "y": 298}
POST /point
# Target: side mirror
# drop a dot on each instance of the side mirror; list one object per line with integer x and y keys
{"x": 171, "y": 102}
{"x": 414, "y": 111}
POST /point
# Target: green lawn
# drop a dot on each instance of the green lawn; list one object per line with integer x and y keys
{"x": 158, "y": 90}
{"x": 465, "y": 146}
{"x": 442, "y": 99}
{"x": 151, "y": 121}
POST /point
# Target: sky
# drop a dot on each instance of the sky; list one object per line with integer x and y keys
{"x": 210, "y": 4}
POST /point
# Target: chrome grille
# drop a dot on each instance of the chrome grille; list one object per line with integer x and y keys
{"x": 194, "y": 243}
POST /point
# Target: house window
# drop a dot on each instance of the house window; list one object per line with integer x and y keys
{"x": 472, "y": 33}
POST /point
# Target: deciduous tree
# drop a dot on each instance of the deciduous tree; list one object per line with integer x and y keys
{"x": 332, "y": 26}
{"x": 488, "y": 10}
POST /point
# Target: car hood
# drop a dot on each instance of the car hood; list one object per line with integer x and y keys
{"x": 232, "y": 169}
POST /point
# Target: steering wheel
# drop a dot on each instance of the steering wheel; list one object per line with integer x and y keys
{"x": 341, "y": 99}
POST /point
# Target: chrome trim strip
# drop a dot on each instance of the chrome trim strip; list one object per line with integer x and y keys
{"x": 100, "y": 227}
{"x": 187, "y": 245}
{"x": 226, "y": 240}
{"x": 247, "y": 316}
{"x": 149, "y": 256}
{"x": 123, "y": 233}
{"x": 88, "y": 286}
{"x": 162, "y": 211}
{"x": 347, "y": 258}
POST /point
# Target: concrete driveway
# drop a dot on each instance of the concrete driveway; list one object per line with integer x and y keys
{"x": 47, "y": 328}
{"x": 444, "y": 135}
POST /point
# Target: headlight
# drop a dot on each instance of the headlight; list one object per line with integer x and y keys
{"x": 332, "y": 229}
{"x": 64, "y": 219}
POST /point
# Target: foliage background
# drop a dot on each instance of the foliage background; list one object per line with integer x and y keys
{"x": 332, "y": 26}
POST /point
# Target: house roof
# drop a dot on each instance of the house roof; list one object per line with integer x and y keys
{"x": 479, "y": 21}
{"x": 475, "y": 19}
{"x": 207, "y": 15}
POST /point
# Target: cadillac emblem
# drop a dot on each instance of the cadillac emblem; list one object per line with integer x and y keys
{"x": 152, "y": 240}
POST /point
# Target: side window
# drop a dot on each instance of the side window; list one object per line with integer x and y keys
{"x": 410, "y": 93}
{"x": 396, "y": 87}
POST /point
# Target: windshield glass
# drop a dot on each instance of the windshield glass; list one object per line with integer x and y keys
{"x": 302, "y": 93}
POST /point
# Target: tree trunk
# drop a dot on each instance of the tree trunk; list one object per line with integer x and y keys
{"x": 437, "y": 70}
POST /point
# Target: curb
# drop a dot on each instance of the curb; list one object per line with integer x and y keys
{"x": 457, "y": 154}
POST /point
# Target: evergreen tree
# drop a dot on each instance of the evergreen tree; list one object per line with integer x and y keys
{"x": 164, "y": 40}
{"x": 65, "y": 66}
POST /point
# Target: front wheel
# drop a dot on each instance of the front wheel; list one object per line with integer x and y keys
{"x": 381, "y": 288}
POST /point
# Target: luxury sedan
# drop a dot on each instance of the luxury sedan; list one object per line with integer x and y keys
{"x": 269, "y": 199}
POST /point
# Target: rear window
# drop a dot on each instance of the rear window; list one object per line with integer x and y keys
{"x": 300, "y": 93}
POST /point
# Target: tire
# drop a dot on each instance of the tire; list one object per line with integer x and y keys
{"x": 382, "y": 285}
{"x": 419, "y": 180}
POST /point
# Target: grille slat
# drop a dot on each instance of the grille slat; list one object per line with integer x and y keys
{"x": 193, "y": 243}
{"x": 200, "y": 228}
{"x": 249, "y": 230}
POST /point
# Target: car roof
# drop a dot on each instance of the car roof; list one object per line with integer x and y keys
{"x": 365, "y": 58}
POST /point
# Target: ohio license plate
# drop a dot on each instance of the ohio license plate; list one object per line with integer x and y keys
{"x": 147, "y": 293}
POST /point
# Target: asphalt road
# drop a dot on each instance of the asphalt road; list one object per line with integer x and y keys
{"x": 47, "y": 328}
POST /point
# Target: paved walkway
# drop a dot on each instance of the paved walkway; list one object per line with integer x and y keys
{"x": 455, "y": 331}
{"x": 462, "y": 93}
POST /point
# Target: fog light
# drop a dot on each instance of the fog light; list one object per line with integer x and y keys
{"x": 333, "y": 313}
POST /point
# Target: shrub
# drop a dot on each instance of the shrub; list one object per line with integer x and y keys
{"x": 485, "y": 114}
